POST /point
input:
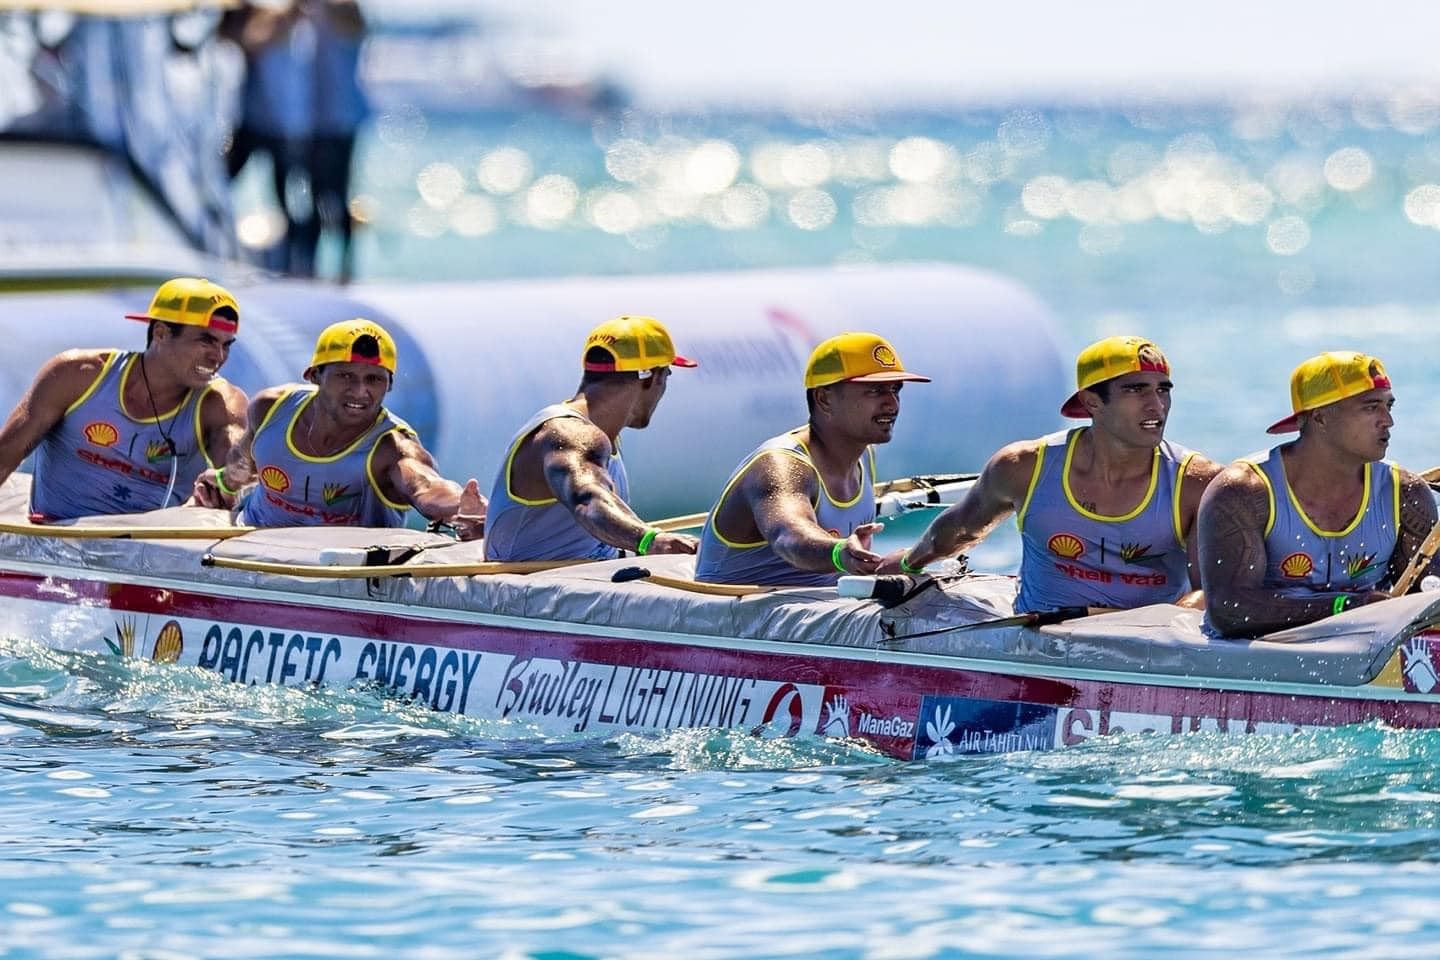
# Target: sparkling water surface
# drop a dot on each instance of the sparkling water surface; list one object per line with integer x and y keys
{"x": 157, "y": 811}
{"x": 153, "y": 811}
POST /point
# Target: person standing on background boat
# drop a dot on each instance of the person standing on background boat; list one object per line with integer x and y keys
{"x": 800, "y": 509}
{"x": 340, "y": 108}
{"x": 1314, "y": 526}
{"x": 277, "y": 115}
{"x": 330, "y": 453}
{"x": 117, "y": 431}
{"x": 562, "y": 492}
{"x": 1105, "y": 512}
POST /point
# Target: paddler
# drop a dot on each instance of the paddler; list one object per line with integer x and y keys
{"x": 1316, "y": 525}
{"x": 122, "y": 431}
{"x": 329, "y": 452}
{"x": 562, "y": 492}
{"x": 800, "y": 509}
{"x": 1105, "y": 511}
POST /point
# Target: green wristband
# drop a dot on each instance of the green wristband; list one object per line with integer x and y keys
{"x": 906, "y": 568}
{"x": 220, "y": 484}
{"x": 647, "y": 538}
{"x": 1340, "y": 603}
{"x": 835, "y": 556}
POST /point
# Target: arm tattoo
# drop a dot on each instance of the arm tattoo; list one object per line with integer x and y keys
{"x": 1417, "y": 518}
{"x": 1231, "y": 528}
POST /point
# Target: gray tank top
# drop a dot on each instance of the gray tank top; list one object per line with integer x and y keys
{"x": 100, "y": 460}
{"x": 295, "y": 489}
{"x": 1300, "y": 557}
{"x": 517, "y": 529}
{"x": 725, "y": 561}
{"x": 1071, "y": 557}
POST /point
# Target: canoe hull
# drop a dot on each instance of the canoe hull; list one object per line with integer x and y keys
{"x": 569, "y": 679}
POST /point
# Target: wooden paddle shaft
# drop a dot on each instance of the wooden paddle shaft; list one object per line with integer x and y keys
{"x": 477, "y": 569}
{"x": 116, "y": 532}
{"x": 1418, "y": 563}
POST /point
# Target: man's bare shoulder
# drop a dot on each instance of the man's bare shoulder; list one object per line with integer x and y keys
{"x": 65, "y": 377}
{"x": 82, "y": 363}
{"x": 1236, "y": 483}
{"x": 399, "y": 444}
{"x": 269, "y": 395}
{"x": 780, "y": 468}
{"x": 1010, "y": 468}
{"x": 1202, "y": 469}
{"x": 565, "y": 434}
{"x": 229, "y": 397}
{"x": 264, "y": 401}
{"x": 1417, "y": 498}
{"x": 1412, "y": 482}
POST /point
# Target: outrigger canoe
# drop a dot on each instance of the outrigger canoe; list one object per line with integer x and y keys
{"x": 635, "y": 645}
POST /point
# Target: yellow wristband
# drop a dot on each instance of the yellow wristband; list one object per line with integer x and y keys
{"x": 647, "y": 538}
{"x": 835, "y": 556}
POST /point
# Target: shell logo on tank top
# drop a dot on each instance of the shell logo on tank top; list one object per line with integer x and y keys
{"x": 275, "y": 478}
{"x": 1066, "y": 545}
{"x": 101, "y": 434}
{"x": 1297, "y": 566}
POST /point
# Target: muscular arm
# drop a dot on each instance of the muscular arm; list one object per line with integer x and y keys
{"x": 997, "y": 493}
{"x": 1230, "y": 527}
{"x": 408, "y": 472}
{"x": 223, "y": 419}
{"x": 574, "y": 454}
{"x": 58, "y": 384}
{"x": 1417, "y": 519}
{"x": 780, "y": 492}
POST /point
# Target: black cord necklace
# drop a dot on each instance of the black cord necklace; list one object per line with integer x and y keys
{"x": 164, "y": 434}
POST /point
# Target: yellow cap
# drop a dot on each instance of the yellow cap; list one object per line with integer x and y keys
{"x": 861, "y": 357}
{"x": 1110, "y": 358}
{"x": 1330, "y": 378}
{"x": 634, "y": 344}
{"x": 336, "y": 344}
{"x": 193, "y": 302}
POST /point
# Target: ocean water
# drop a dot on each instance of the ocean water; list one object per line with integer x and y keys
{"x": 152, "y": 811}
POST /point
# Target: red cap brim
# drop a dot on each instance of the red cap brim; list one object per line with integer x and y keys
{"x": 680, "y": 361}
{"x": 1289, "y": 425}
{"x": 1074, "y": 408}
{"x": 222, "y": 324}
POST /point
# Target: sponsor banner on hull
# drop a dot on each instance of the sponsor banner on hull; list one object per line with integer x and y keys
{"x": 557, "y": 695}
{"x": 1077, "y": 724}
{"x": 968, "y": 725}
